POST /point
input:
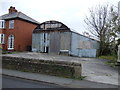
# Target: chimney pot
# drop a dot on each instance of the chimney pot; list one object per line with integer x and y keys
{"x": 12, "y": 9}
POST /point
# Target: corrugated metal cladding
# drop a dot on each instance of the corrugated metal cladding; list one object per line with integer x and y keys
{"x": 55, "y": 37}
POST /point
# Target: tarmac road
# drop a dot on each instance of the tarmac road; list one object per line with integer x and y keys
{"x": 13, "y": 82}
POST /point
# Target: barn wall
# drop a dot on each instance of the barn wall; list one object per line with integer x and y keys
{"x": 58, "y": 41}
{"x": 54, "y": 42}
{"x": 36, "y": 42}
{"x": 82, "y": 46}
{"x": 65, "y": 39}
{"x": 74, "y": 44}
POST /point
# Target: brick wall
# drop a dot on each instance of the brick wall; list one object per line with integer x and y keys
{"x": 22, "y": 32}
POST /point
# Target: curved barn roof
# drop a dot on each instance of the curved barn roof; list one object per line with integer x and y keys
{"x": 55, "y": 25}
{"x": 51, "y": 25}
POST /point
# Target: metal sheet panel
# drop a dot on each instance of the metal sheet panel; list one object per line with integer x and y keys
{"x": 35, "y": 42}
{"x": 74, "y": 44}
{"x": 65, "y": 38}
{"x": 82, "y": 46}
{"x": 87, "y": 52}
{"x": 54, "y": 42}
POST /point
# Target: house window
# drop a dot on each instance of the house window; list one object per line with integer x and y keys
{"x": 2, "y": 24}
{"x": 2, "y": 36}
{"x": 11, "y": 42}
{"x": 11, "y": 24}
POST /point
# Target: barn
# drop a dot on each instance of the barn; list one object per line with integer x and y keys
{"x": 56, "y": 37}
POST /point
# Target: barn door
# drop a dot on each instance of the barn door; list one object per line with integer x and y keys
{"x": 45, "y": 42}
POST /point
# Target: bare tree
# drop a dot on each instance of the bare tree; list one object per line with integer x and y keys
{"x": 98, "y": 25}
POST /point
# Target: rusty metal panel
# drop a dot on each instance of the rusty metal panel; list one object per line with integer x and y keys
{"x": 65, "y": 39}
{"x": 54, "y": 42}
{"x": 87, "y": 53}
{"x": 82, "y": 46}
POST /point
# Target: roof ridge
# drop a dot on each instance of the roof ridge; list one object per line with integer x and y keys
{"x": 18, "y": 14}
{"x": 28, "y": 16}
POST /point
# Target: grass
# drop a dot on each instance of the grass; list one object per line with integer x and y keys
{"x": 112, "y": 60}
{"x": 109, "y": 57}
{"x": 9, "y": 52}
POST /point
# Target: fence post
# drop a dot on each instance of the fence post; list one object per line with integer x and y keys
{"x": 119, "y": 54}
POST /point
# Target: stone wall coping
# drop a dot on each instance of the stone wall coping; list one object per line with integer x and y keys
{"x": 34, "y": 60}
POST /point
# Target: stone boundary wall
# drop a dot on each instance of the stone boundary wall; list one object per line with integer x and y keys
{"x": 55, "y": 68}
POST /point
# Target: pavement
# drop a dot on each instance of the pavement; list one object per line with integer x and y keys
{"x": 68, "y": 83}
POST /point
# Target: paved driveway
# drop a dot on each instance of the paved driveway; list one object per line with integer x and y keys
{"x": 94, "y": 69}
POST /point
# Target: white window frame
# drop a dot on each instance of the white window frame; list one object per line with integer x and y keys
{"x": 2, "y": 24}
{"x": 10, "y": 42}
{"x": 2, "y": 38}
{"x": 11, "y": 24}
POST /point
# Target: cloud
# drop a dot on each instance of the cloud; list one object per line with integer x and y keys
{"x": 70, "y": 12}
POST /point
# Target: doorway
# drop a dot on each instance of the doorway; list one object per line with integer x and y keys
{"x": 11, "y": 42}
{"x": 45, "y": 40}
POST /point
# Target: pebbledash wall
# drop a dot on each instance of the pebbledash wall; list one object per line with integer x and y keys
{"x": 55, "y": 37}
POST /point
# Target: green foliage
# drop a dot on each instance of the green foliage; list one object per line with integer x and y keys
{"x": 112, "y": 64}
{"x": 118, "y": 41}
{"x": 109, "y": 57}
{"x": 112, "y": 60}
{"x": 9, "y": 52}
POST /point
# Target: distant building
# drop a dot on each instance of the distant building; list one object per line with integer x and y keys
{"x": 55, "y": 37}
{"x": 16, "y": 30}
{"x": 119, "y": 8}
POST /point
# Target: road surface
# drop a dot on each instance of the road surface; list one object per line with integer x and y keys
{"x": 13, "y": 82}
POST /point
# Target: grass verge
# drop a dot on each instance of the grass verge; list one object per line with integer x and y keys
{"x": 112, "y": 60}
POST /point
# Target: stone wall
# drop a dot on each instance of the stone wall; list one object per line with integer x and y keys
{"x": 56, "y": 68}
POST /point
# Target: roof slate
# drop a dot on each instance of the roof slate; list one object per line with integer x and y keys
{"x": 18, "y": 15}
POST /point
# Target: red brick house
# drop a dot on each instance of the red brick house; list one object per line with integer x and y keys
{"x": 16, "y": 30}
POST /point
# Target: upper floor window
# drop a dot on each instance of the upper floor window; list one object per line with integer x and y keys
{"x": 2, "y": 36}
{"x": 2, "y": 24}
{"x": 11, "y": 24}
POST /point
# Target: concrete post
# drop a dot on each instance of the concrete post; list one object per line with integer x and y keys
{"x": 119, "y": 53}
{"x": 78, "y": 70}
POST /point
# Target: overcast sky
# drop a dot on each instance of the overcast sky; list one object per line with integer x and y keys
{"x": 70, "y": 12}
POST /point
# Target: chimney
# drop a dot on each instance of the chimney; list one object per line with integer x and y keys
{"x": 12, "y": 10}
